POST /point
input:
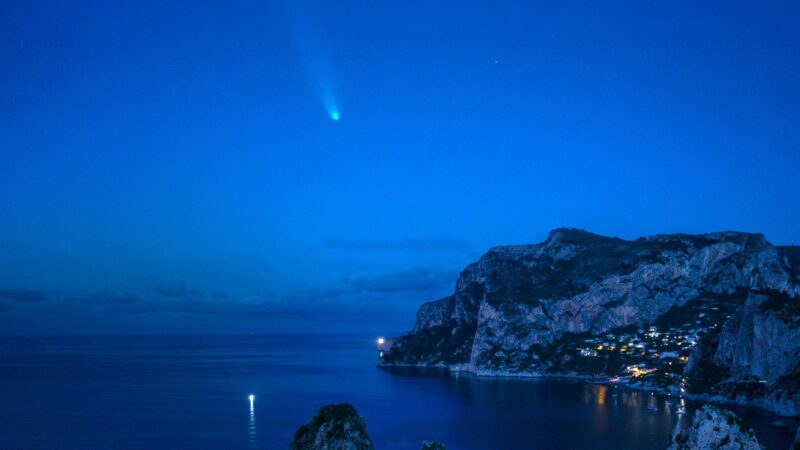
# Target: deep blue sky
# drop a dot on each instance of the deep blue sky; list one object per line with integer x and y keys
{"x": 173, "y": 167}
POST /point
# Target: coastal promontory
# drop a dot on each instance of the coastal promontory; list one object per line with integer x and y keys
{"x": 714, "y": 314}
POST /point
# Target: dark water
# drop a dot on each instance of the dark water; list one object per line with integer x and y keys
{"x": 191, "y": 392}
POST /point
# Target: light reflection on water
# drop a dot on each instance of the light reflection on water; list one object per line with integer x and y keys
{"x": 251, "y": 424}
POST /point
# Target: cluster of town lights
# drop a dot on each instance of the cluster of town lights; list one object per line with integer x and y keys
{"x": 653, "y": 351}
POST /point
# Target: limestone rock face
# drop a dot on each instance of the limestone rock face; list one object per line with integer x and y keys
{"x": 434, "y": 313}
{"x": 333, "y": 427}
{"x": 759, "y": 342}
{"x": 521, "y": 310}
{"x": 714, "y": 428}
{"x": 758, "y": 351}
{"x": 516, "y": 298}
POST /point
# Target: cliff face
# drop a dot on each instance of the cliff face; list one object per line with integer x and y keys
{"x": 714, "y": 428}
{"x": 548, "y": 308}
{"x": 747, "y": 341}
{"x": 756, "y": 355}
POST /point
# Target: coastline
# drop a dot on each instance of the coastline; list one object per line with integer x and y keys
{"x": 764, "y": 405}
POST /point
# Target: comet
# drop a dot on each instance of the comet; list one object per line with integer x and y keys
{"x": 313, "y": 54}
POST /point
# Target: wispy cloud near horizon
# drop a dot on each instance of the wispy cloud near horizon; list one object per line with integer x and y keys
{"x": 359, "y": 291}
{"x": 421, "y": 244}
{"x": 23, "y": 295}
{"x": 179, "y": 290}
{"x": 418, "y": 279}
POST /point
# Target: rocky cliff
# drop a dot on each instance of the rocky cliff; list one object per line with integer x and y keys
{"x": 433, "y": 446}
{"x": 589, "y": 305}
{"x": 333, "y": 427}
{"x": 339, "y": 427}
{"x": 714, "y": 428}
{"x": 755, "y": 357}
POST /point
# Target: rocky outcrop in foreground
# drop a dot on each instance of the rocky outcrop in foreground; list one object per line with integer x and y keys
{"x": 585, "y": 305}
{"x": 339, "y": 427}
{"x": 714, "y": 428}
{"x": 333, "y": 427}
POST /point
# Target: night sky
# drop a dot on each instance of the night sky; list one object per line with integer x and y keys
{"x": 173, "y": 167}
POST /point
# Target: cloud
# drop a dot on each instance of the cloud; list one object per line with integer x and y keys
{"x": 307, "y": 306}
{"x": 77, "y": 303}
{"x": 422, "y": 244}
{"x": 357, "y": 294}
{"x": 412, "y": 280}
{"x": 23, "y": 295}
{"x": 113, "y": 298}
{"x": 178, "y": 291}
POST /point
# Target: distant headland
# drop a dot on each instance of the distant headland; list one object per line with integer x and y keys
{"x": 709, "y": 315}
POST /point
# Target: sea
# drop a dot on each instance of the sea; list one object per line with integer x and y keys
{"x": 175, "y": 392}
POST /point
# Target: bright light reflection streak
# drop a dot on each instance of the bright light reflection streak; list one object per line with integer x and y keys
{"x": 251, "y": 425}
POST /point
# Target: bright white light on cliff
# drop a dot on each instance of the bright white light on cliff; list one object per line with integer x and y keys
{"x": 381, "y": 341}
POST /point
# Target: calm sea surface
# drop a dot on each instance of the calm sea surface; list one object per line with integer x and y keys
{"x": 192, "y": 392}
